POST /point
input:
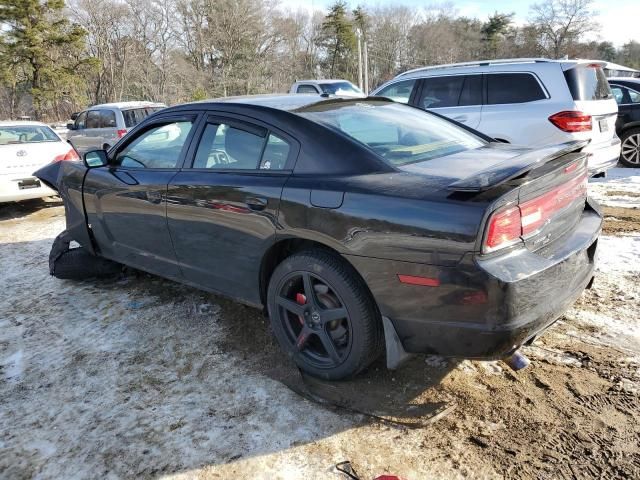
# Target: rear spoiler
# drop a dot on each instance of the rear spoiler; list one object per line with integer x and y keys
{"x": 514, "y": 167}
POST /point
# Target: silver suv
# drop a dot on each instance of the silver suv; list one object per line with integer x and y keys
{"x": 530, "y": 102}
{"x": 101, "y": 126}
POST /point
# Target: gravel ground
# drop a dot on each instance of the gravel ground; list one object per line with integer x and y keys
{"x": 142, "y": 377}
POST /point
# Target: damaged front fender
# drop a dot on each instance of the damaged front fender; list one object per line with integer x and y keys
{"x": 67, "y": 178}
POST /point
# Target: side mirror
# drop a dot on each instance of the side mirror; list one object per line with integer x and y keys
{"x": 95, "y": 158}
{"x": 71, "y": 126}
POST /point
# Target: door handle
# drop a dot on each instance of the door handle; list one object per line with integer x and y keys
{"x": 460, "y": 118}
{"x": 256, "y": 203}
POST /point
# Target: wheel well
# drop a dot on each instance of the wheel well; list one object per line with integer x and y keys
{"x": 285, "y": 248}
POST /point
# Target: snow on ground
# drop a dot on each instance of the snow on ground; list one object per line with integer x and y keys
{"x": 620, "y": 188}
{"x": 142, "y": 377}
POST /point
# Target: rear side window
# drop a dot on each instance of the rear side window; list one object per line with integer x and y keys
{"x": 134, "y": 116}
{"x": 588, "y": 83}
{"x": 399, "y": 91}
{"x": 513, "y": 88}
{"x": 439, "y": 92}
{"x": 306, "y": 89}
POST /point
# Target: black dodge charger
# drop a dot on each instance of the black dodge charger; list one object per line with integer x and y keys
{"x": 356, "y": 224}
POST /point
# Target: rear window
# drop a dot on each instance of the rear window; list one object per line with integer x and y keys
{"x": 400, "y": 135}
{"x": 26, "y": 134}
{"x": 338, "y": 88}
{"x": 588, "y": 83}
{"x": 505, "y": 88}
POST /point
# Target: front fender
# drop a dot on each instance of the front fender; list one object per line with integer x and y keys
{"x": 67, "y": 178}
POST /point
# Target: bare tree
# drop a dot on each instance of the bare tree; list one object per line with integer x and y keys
{"x": 561, "y": 24}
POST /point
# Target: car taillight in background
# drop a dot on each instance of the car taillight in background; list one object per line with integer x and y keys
{"x": 122, "y": 133}
{"x": 572, "y": 121}
{"x": 507, "y": 225}
{"x": 70, "y": 156}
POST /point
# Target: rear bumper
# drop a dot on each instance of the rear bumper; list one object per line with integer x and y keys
{"x": 602, "y": 156}
{"x": 11, "y": 192}
{"x": 485, "y": 308}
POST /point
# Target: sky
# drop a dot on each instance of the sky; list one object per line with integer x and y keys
{"x": 619, "y": 19}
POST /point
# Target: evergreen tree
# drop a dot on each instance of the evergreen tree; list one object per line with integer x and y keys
{"x": 339, "y": 41}
{"x": 493, "y": 30}
{"x": 38, "y": 38}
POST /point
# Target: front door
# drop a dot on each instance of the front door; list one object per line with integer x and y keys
{"x": 222, "y": 212}
{"x": 126, "y": 200}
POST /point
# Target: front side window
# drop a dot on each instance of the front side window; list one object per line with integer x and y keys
{"x": 81, "y": 120}
{"x": 634, "y": 97}
{"x": 398, "y": 92}
{"x": 158, "y": 147}
{"x": 440, "y": 92}
{"x": 504, "y": 88}
{"x": 618, "y": 94}
{"x": 306, "y": 89}
{"x": 226, "y": 147}
{"x": 26, "y": 134}
{"x": 398, "y": 134}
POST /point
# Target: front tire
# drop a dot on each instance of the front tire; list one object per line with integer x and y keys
{"x": 323, "y": 316}
{"x": 630, "y": 148}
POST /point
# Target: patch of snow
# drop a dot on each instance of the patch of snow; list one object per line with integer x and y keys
{"x": 619, "y": 254}
{"x": 620, "y": 181}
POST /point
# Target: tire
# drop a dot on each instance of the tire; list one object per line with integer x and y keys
{"x": 630, "y": 149}
{"x": 339, "y": 312}
{"x": 78, "y": 263}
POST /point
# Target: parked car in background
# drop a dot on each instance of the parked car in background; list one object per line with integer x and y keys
{"x": 24, "y": 148}
{"x": 626, "y": 91}
{"x": 342, "y": 88}
{"x": 530, "y": 102}
{"x": 354, "y": 223}
{"x": 101, "y": 126}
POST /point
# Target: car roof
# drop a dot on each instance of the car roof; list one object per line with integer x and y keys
{"x": 286, "y": 101}
{"x": 125, "y": 105}
{"x": 326, "y": 80}
{"x": 18, "y": 123}
{"x": 565, "y": 64}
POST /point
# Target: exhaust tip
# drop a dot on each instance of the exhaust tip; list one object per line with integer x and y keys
{"x": 517, "y": 361}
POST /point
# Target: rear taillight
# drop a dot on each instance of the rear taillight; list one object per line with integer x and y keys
{"x": 504, "y": 229}
{"x": 507, "y": 225}
{"x": 70, "y": 156}
{"x": 122, "y": 133}
{"x": 571, "y": 121}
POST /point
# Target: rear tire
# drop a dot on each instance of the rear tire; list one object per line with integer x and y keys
{"x": 630, "y": 148}
{"x": 323, "y": 316}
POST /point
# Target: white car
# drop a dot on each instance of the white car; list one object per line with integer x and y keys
{"x": 342, "y": 88}
{"x": 530, "y": 102}
{"x": 24, "y": 148}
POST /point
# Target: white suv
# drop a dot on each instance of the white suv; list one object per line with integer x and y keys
{"x": 531, "y": 102}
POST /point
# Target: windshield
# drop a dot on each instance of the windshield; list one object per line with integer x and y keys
{"x": 26, "y": 134}
{"x": 399, "y": 134}
{"x": 339, "y": 88}
{"x": 588, "y": 83}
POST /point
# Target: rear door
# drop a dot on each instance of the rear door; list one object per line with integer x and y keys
{"x": 458, "y": 97}
{"x": 592, "y": 95}
{"x": 222, "y": 211}
{"x": 125, "y": 201}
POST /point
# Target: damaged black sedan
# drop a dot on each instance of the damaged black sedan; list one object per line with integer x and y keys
{"x": 356, "y": 224}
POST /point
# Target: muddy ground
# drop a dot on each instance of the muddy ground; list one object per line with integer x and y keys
{"x": 142, "y": 377}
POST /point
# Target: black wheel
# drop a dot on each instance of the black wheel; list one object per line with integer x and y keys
{"x": 323, "y": 315}
{"x": 630, "y": 151}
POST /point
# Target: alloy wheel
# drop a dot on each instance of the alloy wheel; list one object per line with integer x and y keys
{"x": 631, "y": 149}
{"x": 315, "y": 319}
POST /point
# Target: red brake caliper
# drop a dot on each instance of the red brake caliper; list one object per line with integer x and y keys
{"x": 302, "y": 339}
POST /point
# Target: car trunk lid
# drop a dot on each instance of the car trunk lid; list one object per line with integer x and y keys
{"x": 22, "y": 159}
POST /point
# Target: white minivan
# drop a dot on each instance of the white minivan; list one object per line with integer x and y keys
{"x": 531, "y": 102}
